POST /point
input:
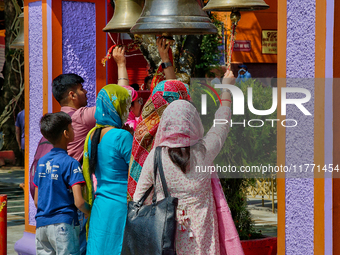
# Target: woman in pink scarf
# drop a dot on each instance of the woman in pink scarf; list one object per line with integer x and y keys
{"x": 136, "y": 108}
{"x": 180, "y": 134}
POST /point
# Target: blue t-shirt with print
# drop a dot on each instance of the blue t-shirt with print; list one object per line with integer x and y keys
{"x": 56, "y": 173}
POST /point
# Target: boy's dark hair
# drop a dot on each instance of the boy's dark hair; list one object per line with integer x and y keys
{"x": 52, "y": 125}
{"x": 63, "y": 84}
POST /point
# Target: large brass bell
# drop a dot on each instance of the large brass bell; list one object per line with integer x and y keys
{"x": 18, "y": 42}
{"x": 178, "y": 17}
{"x": 125, "y": 16}
{"x": 235, "y": 5}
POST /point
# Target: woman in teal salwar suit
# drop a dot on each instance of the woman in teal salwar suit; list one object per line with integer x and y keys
{"x": 107, "y": 154}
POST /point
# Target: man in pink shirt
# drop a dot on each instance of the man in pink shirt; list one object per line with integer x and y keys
{"x": 68, "y": 90}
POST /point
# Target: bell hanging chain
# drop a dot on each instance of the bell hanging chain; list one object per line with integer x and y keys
{"x": 235, "y": 16}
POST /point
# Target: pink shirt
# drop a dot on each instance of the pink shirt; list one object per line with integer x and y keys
{"x": 82, "y": 121}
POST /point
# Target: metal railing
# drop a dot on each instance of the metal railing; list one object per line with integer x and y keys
{"x": 265, "y": 187}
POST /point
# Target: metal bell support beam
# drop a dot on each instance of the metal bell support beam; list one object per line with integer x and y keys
{"x": 233, "y": 5}
{"x": 125, "y": 16}
{"x": 18, "y": 42}
{"x": 177, "y": 17}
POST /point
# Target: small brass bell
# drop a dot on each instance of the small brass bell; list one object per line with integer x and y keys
{"x": 18, "y": 42}
{"x": 177, "y": 17}
{"x": 235, "y": 5}
{"x": 125, "y": 16}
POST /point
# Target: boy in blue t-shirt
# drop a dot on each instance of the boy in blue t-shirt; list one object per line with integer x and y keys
{"x": 58, "y": 181}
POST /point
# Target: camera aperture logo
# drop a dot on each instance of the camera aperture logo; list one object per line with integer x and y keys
{"x": 238, "y": 105}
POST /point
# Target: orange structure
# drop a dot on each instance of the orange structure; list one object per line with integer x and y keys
{"x": 249, "y": 30}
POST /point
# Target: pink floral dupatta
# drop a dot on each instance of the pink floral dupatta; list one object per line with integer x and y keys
{"x": 186, "y": 129}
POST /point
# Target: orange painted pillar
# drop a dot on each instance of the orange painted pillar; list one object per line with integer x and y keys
{"x": 52, "y": 48}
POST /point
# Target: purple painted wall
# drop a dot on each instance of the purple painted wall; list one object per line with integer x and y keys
{"x": 79, "y": 43}
{"x": 300, "y": 140}
{"x": 36, "y": 83}
{"x": 329, "y": 126}
{"x": 26, "y": 245}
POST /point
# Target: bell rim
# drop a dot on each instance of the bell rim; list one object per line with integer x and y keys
{"x": 120, "y": 29}
{"x": 165, "y": 24}
{"x": 217, "y": 8}
{"x": 17, "y": 46}
{"x": 143, "y": 29}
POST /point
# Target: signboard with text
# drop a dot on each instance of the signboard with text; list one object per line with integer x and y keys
{"x": 242, "y": 45}
{"x": 269, "y": 41}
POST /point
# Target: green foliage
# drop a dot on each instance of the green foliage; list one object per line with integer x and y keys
{"x": 245, "y": 146}
{"x": 237, "y": 201}
{"x": 249, "y": 146}
{"x": 210, "y": 55}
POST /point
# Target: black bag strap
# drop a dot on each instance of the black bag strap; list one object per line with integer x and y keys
{"x": 158, "y": 165}
{"x": 144, "y": 197}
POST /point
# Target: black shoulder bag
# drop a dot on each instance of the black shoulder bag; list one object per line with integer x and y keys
{"x": 151, "y": 229}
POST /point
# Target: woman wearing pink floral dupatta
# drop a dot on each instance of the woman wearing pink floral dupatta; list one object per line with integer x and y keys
{"x": 180, "y": 133}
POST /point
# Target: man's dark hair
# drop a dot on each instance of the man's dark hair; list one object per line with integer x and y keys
{"x": 52, "y": 125}
{"x": 63, "y": 84}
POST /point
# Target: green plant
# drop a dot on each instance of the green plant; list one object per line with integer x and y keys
{"x": 237, "y": 201}
{"x": 12, "y": 85}
{"x": 248, "y": 146}
{"x": 210, "y": 55}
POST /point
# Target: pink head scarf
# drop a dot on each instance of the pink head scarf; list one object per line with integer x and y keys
{"x": 134, "y": 94}
{"x": 132, "y": 120}
{"x": 180, "y": 126}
